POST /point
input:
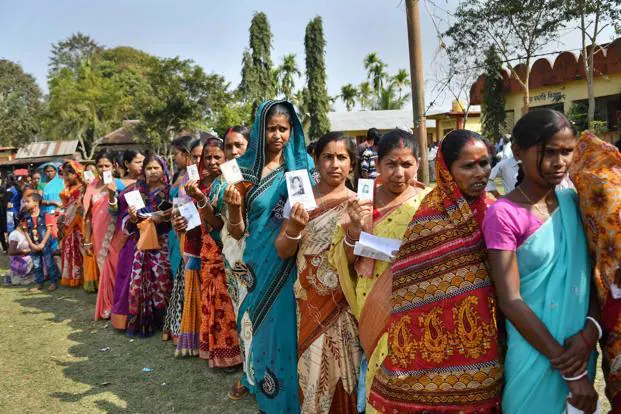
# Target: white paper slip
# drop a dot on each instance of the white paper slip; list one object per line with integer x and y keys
{"x": 300, "y": 189}
{"x": 193, "y": 174}
{"x": 134, "y": 199}
{"x": 615, "y": 291}
{"x": 573, "y": 410}
{"x": 231, "y": 172}
{"x": 286, "y": 210}
{"x": 107, "y": 177}
{"x": 365, "y": 251}
{"x": 381, "y": 248}
{"x": 190, "y": 213}
{"x": 89, "y": 177}
{"x": 365, "y": 189}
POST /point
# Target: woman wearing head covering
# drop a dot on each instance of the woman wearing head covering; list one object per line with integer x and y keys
{"x": 150, "y": 279}
{"x": 70, "y": 224}
{"x": 181, "y": 154}
{"x": 442, "y": 336}
{"x": 266, "y": 318}
{"x": 596, "y": 174}
{"x": 365, "y": 281}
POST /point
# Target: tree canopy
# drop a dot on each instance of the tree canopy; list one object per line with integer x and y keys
{"x": 318, "y": 99}
{"x": 71, "y": 52}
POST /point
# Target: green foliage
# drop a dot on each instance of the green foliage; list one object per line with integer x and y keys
{"x": 301, "y": 102}
{"x": 494, "y": 115}
{"x": 365, "y": 95}
{"x": 258, "y": 82}
{"x": 286, "y": 73}
{"x": 71, "y": 52}
{"x": 376, "y": 73}
{"x": 578, "y": 114}
{"x": 401, "y": 80}
{"x": 389, "y": 99}
{"x": 318, "y": 99}
{"x": 20, "y": 105}
{"x": 348, "y": 96}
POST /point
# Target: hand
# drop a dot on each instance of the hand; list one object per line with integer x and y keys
{"x": 133, "y": 214}
{"x": 58, "y": 204}
{"x": 297, "y": 220}
{"x": 191, "y": 189}
{"x": 360, "y": 213}
{"x": 232, "y": 196}
{"x": 111, "y": 189}
{"x": 161, "y": 216}
{"x": 179, "y": 223}
{"x": 88, "y": 249}
{"x": 38, "y": 248}
{"x": 574, "y": 360}
{"x": 583, "y": 395}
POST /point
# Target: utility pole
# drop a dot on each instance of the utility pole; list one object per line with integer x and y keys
{"x": 418, "y": 84}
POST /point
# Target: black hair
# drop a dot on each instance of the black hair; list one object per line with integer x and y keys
{"x": 67, "y": 167}
{"x": 322, "y": 142}
{"x": 183, "y": 143}
{"x": 214, "y": 142}
{"x": 149, "y": 157}
{"x": 197, "y": 143}
{"x": 242, "y": 130}
{"x": 107, "y": 154}
{"x": 310, "y": 149}
{"x": 536, "y": 128}
{"x": 455, "y": 141}
{"x": 374, "y": 134}
{"x": 397, "y": 138}
{"x": 280, "y": 109}
{"x": 127, "y": 157}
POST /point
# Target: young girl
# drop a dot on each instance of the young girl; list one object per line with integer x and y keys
{"x": 328, "y": 349}
{"x": 540, "y": 268}
{"x": 365, "y": 282}
{"x": 70, "y": 224}
{"x": 21, "y": 266}
{"x": 266, "y": 323}
{"x": 150, "y": 279}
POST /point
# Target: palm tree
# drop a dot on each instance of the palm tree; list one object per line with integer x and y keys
{"x": 348, "y": 96}
{"x": 300, "y": 100}
{"x": 286, "y": 73}
{"x": 365, "y": 94}
{"x": 389, "y": 100}
{"x": 376, "y": 72}
{"x": 401, "y": 80}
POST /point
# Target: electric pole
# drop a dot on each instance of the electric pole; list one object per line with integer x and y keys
{"x": 418, "y": 84}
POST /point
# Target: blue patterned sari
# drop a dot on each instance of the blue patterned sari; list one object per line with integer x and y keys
{"x": 267, "y": 316}
{"x": 555, "y": 277}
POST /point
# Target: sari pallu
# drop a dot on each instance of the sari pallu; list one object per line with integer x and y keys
{"x": 442, "y": 337}
{"x": 107, "y": 244}
{"x": 328, "y": 349}
{"x": 555, "y": 283}
{"x": 120, "y": 304}
{"x": 366, "y": 286}
{"x": 219, "y": 342}
{"x": 596, "y": 174}
{"x": 266, "y": 318}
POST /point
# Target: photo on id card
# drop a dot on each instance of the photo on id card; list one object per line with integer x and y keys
{"x": 299, "y": 189}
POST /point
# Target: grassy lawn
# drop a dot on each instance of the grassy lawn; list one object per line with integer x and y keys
{"x": 51, "y": 363}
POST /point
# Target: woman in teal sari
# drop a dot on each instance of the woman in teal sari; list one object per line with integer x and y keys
{"x": 267, "y": 319}
{"x": 540, "y": 268}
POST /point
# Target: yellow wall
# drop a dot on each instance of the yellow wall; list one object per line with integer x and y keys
{"x": 571, "y": 91}
{"x": 473, "y": 123}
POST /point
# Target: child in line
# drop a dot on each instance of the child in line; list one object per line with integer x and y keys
{"x": 20, "y": 261}
{"x": 38, "y": 234}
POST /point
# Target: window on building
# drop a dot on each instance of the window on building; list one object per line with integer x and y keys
{"x": 605, "y": 110}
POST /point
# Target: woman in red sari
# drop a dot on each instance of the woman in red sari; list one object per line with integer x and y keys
{"x": 70, "y": 223}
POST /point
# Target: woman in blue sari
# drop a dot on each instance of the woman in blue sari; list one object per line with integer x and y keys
{"x": 540, "y": 268}
{"x": 267, "y": 320}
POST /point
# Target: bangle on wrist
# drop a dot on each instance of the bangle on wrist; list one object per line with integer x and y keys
{"x": 597, "y": 325}
{"x": 204, "y": 201}
{"x": 348, "y": 243}
{"x": 236, "y": 224}
{"x": 113, "y": 203}
{"x": 350, "y": 237}
{"x": 298, "y": 237}
{"x": 576, "y": 378}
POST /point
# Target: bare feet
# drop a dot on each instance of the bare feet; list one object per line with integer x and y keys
{"x": 52, "y": 287}
{"x": 37, "y": 288}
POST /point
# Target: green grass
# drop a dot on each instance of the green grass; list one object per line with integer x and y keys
{"x": 50, "y": 362}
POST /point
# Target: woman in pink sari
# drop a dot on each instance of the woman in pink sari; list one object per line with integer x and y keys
{"x": 101, "y": 225}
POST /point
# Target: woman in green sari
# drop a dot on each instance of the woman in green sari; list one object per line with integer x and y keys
{"x": 266, "y": 319}
{"x": 540, "y": 268}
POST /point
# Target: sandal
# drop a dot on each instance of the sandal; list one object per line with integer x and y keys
{"x": 52, "y": 287}
{"x": 238, "y": 391}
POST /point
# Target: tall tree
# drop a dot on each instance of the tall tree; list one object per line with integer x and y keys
{"x": 70, "y": 52}
{"x": 365, "y": 95}
{"x": 20, "y": 105}
{"x": 593, "y": 16}
{"x": 258, "y": 83}
{"x": 389, "y": 99}
{"x": 518, "y": 28}
{"x": 376, "y": 73}
{"x": 286, "y": 73}
{"x": 401, "y": 80}
{"x": 494, "y": 114}
{"x": 348, "y": 96}
{"x": 318, "y": 99}
{"x": 300, "y": 100}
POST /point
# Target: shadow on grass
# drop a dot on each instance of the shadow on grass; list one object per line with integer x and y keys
{"x": 115, "y": 377}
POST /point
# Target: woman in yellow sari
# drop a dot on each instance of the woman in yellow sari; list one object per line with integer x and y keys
{"x": 366, "y": 282}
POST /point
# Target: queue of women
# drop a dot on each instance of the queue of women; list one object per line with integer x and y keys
{"x": 490, "y": 305}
